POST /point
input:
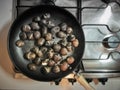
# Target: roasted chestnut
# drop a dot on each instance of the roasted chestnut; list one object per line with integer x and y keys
{"x": 37, "y": 34}
{"x": 63, "y": 42}
{"x": 44, "y": 21}
{"x": 55, "y": 29}
{"x": 44, "y": 49}
{"x": 35, "y": 26}
{"x": 48, "y": 36}
{"x": 50, "y": 24}
{"x": 40, "y": 41}
{"x": 69, "y": 47}
{"x": 46, "y": 16}
{"x": 63, "y": 51}
{"x": 23, "y": 36}
{"x": 69, "y": 30}
{"x": 40, "y": 54}
{"x": 50, "y": 54}
{"x": 44, "y": 30}
{"x": 51, "y": 63}
{"x": 63, "y": 26}
{"x": 30, "y": 55}
{"x": 30, "y": 35}
{"x": 46, "y": 69}
{"x": 48, "y": 43}
{"x": 61, "y": 34}
{"x": 57, "y": 58}
{"x": 71, "y": 38}
{"x": 37, "y": 61}
{"x": 45, "y": 62}
{"x": 35, "y": 49}
{"x": 56, "y": 69}
{"x": 26, "y": 28}
{"x": 32, "y": 67}
{"x": 70, "y": 60}
{"x": 36, "y": 19}
{"x": 20, "y": 43}
{"x": 56, "y": 47}
{"x": 75, "y": 43}
{"x": 64, "y": 66}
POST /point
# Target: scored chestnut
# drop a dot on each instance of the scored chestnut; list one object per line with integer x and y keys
{"x": 37, "y": 34}
{"x": 23, "y": 36}
{"x": 30, "y": 55}
{"x": 26, "y": 28}
{"x": 20, "y": 43}
{"x": 56, "y": 69}
{"x": 32, "y": 67}
{"x": 70, "y": 60}
{"x": 64, "y": 66}
{"x": 75, "y": 43}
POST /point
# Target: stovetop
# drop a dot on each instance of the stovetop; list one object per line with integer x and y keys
{"x": 100, "y": 23}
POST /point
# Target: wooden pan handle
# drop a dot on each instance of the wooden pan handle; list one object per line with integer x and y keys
{"x": 80, "y": 79}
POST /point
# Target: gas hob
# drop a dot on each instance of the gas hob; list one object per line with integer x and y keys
{"x": 100, "y": 23}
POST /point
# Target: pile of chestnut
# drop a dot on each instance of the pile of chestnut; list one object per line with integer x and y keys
{"x": 53, "y": 44}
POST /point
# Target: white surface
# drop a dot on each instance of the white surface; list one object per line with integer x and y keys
{"x": 6, "y": 74}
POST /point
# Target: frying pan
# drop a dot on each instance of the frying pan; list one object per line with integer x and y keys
{"x": 59, "y": 15}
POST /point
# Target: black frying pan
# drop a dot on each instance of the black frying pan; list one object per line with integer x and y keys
{"x": 59, "y": 15}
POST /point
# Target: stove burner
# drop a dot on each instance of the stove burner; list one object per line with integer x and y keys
{"x": 110, "y": 42}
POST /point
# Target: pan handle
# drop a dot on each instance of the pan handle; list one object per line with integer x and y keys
{"x": 80, "y": 79}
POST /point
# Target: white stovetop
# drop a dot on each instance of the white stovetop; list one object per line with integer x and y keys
{"x": 6, "y": 73}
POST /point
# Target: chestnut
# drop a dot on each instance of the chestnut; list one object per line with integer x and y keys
{"x": 44, "y": 30}
{"x": 48, "y": 43}
{"x": 35, "y": 26}
{"x": 63, "y": 51}
{"x": 55, "y": 29}
{"x": 37, "y": 34}
{"x": 69, "y": 47}
{"x": 30, "y": 35}
{"x": 56, "y": 69}
{"x": 75, "y": 43}
{"x": 48, "y": 36}
{"x": 56, "y": 47}
{"x": 20, "y": 43}
{"x": 37, "y": 61}
{"x": 57, "y": 58}
{"x": 61, "y": 34}
{"x": 63, "y": 26}
{"x": 32, "y": 67}
{"x": 45, "y": 62}
{"x": 46, "y": 69}
{"x": 63, "y": 42}
{"x": 40, "y": 41}
{"x": 46, "y": 15}
{"x": 36, "y": 19}
{"x": 26, "y": 28}
{"x": 35, "y": 49}
{"x": 71, "y": 38}
{"x": 40, "y": 54}
{"x": 23, "y": 36}
{"x": 69, "y": 30}
{"x": 51, "y": 63}
{"x": 64, "y": 66}
{"x": 70, "y": 60}
{"x": 44, "y": 49}
{"x": 50, "y": 24}
{"x": 50, "y": 54}
{"x": 30, "y": 55}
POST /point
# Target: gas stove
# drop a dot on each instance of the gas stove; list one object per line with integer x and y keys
{"x": 100, "y": 22}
